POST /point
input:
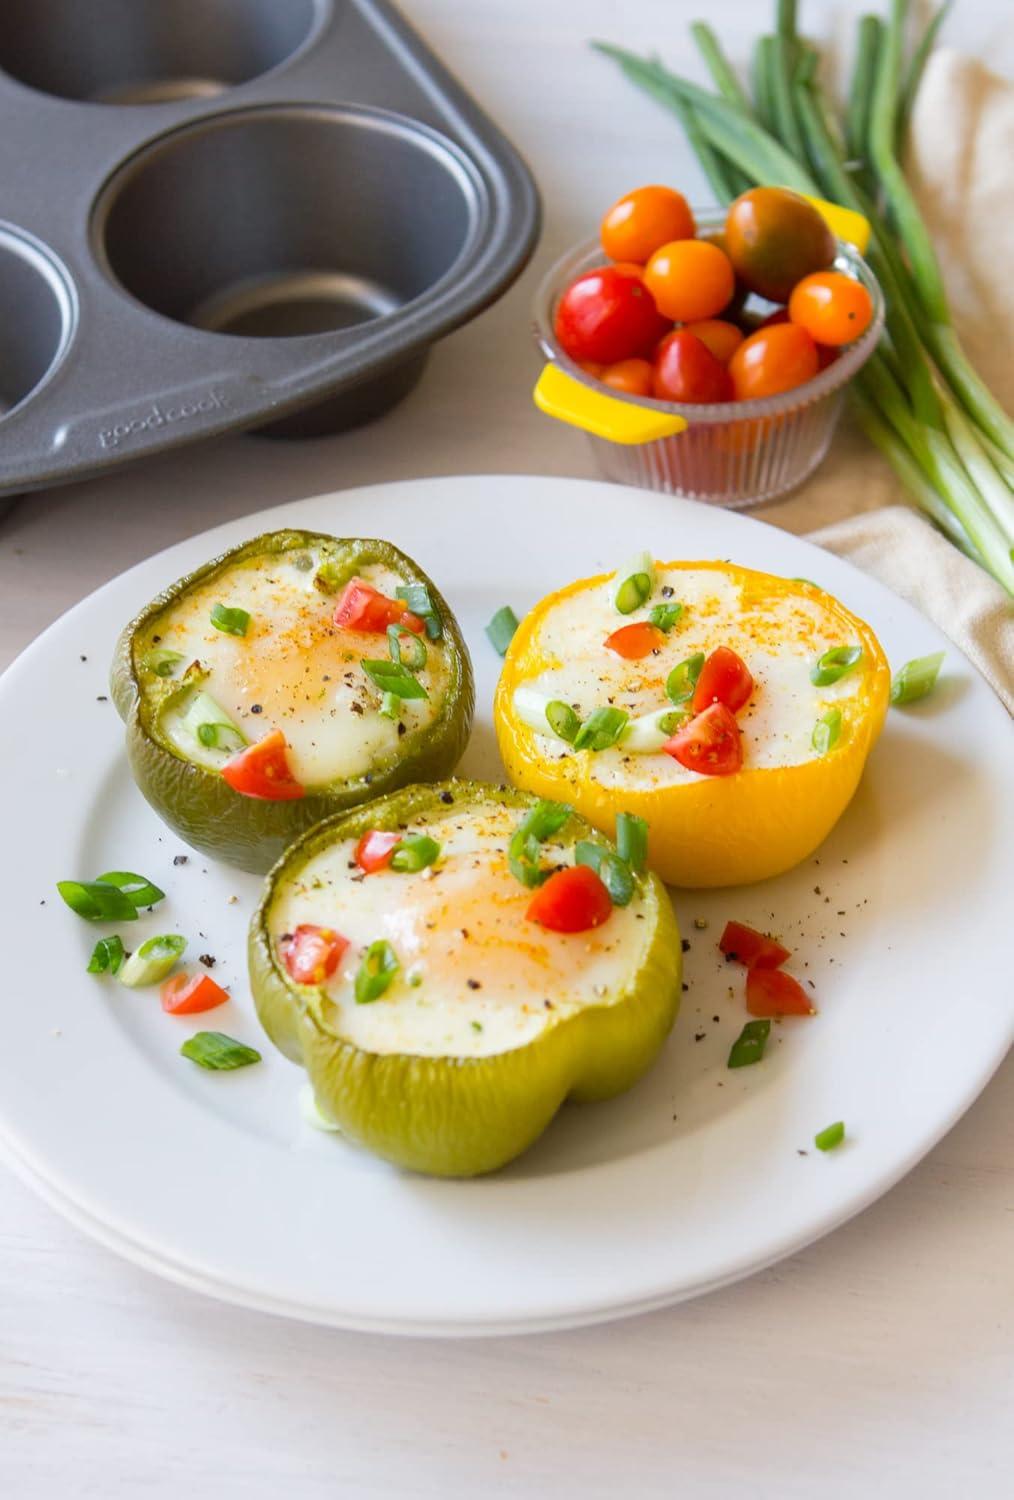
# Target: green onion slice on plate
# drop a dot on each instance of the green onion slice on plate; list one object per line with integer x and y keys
{"x": 916, "y": 678}
{"x": 138, "y": 889}
{"x": 107, "y": 955}
{"x": 830, "y": 1136}
{"x": 748, "y": 1048}
{"x": 151, "y": 962}
{"x": 501, "y": 628}
{"x": 96, "y": 901}
{"x": 217, "y": 1052}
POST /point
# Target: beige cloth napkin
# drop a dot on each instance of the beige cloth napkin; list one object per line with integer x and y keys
{"x": 961, "y": 165}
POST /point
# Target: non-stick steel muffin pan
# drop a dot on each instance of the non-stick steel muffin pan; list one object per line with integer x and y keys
{"x": 223, "y": 214}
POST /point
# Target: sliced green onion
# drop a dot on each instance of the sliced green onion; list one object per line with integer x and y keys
{"x": 613, "y": 871}
{"x": 834, "y": 664}
{"x": 830, "y": 1136}
{"x": 748, "y": 1048}
{"x": 680, "y": 684}
{"x": 375, "y": 973}
{"x": 162, "y": 661}
{"x": 562, "y": 720}
{"x": 414, "y": 853}
{"x": 392, "y": 677}
{"x": 209, "y": 724}
{"x": 96, "y": 901}
{"x": 601, "y": 729}
{"x": 151, "y": 962}
{"x": 826, "y": 731}
{"x": 107, "y": 955}
{"x": 501, "y": 629}
{"x": 524, "y": 851}
{"x": 664, "y": 616}
{"x": 633, "y": 583}
{"x": 390, "y": 706}
{"x": 417, "y": 597}
{"x": 916, "y": 678}
{"x": 632, "y": 839}
{"x": 231, "y": 621}
{"x": 671, "y": 721}
{"x": 406, "y": 648}
{"x": 218, "y": 1052}
{"x": 137, "y": 888}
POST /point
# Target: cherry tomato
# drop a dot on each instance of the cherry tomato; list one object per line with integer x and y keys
{"x": 747, "y": 946}
{"x": 572, "y": 900}
{"x": 362, "y": 607}
{"x": 775, "y": 238}
{"x": 188, "y": 994}
{"x": 825, "y": 356}
{"x": 773, "y": 360}
{"x": 635, "y": 641}
{"x": 723, "y": 339}
{"x": 592, "y": 367}
{"x": 832, "y": 307}
{"x": 710, "y": 744}
{"x": 311, "y": 954}
{"x": 374, "y": 850}
{"x": 690, "y": 280}
{"x": 771, "y": 992}
{"x": 262, "y": 771}
{"x": 640, "y": 221}
{"x": 607, "y": 315}
{"x": 635, "y": 376}
{"x": 629, "y": 268}
{"x": 724, "y": 678}
{"x": 686, "y": 370}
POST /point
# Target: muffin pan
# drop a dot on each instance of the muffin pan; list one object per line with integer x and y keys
{"x": 224, "y": 214}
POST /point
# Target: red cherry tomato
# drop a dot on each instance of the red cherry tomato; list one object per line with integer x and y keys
{"x": 607, "y": 315}
{"x": 634, "y": 641}
{"x": 374, "y": 850}
{"x": 262, "y": 770}
{"x": 311, "y": 954}
{"x": 832, "y": 307}
{"x": 710, "y": 744}
{"x": 634, "y": 376}
{"x": 687, "y": 371}
{"x": 640, "y": 221}
{"x": 772, "y": 992}
{"x": 747, "y": 946}
{"x": 690, "y": 280}
{"x": 725, "y": 678}
{"x": 722, "y": 338}
{"x": 772, "y": 360}
{"x": 572, "y": 900}
{"x": 362, "y": 607}
{"x": 187, "y": 994}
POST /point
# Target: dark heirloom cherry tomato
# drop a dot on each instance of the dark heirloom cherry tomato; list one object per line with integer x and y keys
{"x": 608, "y": 315}
{"x": 635, "y": 641}
{"x": 710, "y": 744}
{"x": 832, "y": 307}
{"x": 770, "y": 992}
{"x": 311, "y": 954}
{"x": 640, "y": 221}
{"x": 774, "y": 238}
{"x": 362, "y": 607}
{"x": 572, "y": 900}
{"x": 686, "y": 370}
{"x": 773, "y": 360}
{"x": 374, "y": 850}
{"x": 750, "y": 947}
{"x": 725, "y": 678}
{"x": 262, "y": 771}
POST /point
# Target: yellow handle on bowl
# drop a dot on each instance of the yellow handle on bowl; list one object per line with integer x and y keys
{"x": 560, "y": 395}
{"x": 844, "y": 223}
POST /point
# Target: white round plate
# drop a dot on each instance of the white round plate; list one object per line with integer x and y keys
{"x": 696, "y": 1177}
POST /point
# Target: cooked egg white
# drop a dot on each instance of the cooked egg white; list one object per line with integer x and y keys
{"x": 779, "y": 637}
{"x": 476, "y": 977}
{"x": 293, "y": 670}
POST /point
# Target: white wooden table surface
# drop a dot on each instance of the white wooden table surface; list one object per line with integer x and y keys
{"x": 880, "y": 1359}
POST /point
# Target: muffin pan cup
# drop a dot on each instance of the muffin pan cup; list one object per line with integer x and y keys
{"x": 225, "y": 214}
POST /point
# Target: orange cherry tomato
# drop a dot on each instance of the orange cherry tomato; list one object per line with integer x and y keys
{"x": 635, "y": 376}
{"x": 724, "y": 678}
{"x": 591, "y": 367}
{"x": 710, "y": 744}
{"x": 745, "y": 945}
{"x": 629, "y": 268}
{"x": 640, "y": 221}
{"x": 773, "y": 360}
{"x": 832, "y": 307}
{"x": 690, "y": 280}
{"x": 635, "y": 641}
{"x": 687, "y": 371}
{"x": 771, "y": 992}
{"x": 723, "y": 339}
{"x": 572, "y": 900}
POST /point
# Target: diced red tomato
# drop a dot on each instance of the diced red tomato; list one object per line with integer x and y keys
{"x": 710, "y": 744}
{"x": 362, "y": 607}
{"x": 772, "y": 992}
{"x": 572, "y": 900}
{"x": 750, "y": 947}
{"x": 312, "y": 953}
{"x": 187, "y": 994}
{"x": 635, "y": 640}
{"x": 374, "y": 850}
{"x": 725, "y": 678}
{"x": 262, "y": 770}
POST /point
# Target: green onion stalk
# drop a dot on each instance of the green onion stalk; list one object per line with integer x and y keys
{"x": 918, "y": 397}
